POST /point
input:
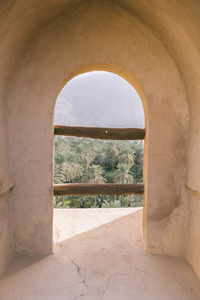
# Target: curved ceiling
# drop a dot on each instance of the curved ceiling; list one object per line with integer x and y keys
{"x": 175, "y": 22}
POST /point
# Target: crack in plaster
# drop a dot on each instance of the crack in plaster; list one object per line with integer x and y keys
{"x": 109, "y": 279}
{"x": 78, "y": 270}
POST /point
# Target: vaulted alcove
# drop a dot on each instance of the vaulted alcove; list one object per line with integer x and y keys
{"x": 154, "y": 46}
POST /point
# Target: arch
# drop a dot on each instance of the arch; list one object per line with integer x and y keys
{"x": 129, "y": 77}
{"x": 17, "y": 44}
{"x": 113, "y": 68}
{"x": 59, "y": 51}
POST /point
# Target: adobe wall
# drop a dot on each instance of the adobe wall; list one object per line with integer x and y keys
{"x": 153, "y": 45}
{"x": 178, "y": 30}
{"x": 6, "y": 244}
{"x": 177, "y": 26}
{"x": 101, "y": 36}
{"x": 6, "y": 183}
{"x": 192, "y": 251}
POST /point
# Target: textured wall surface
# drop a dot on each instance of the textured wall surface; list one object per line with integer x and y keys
{"x": 152, "y": 44}
{"x": 6, "y": 245}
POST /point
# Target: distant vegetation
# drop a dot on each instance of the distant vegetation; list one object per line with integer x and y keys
{"x": 97, "y": 161}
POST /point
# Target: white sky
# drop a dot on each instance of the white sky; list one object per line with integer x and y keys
{"x": 100, "y": 99}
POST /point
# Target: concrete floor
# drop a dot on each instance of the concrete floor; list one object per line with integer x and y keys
{"x": 99, "y": 255}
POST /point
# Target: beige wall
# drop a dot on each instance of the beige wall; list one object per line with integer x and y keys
{"x": 6, "y": 245}
{"x": 155, "y": 47}
{"x": 82, "y": 38}
{"x": 6, "y": 183}
{"x": 177, "y": 26}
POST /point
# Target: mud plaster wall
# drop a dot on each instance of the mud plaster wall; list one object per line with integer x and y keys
{"x": 100, "y": 35}
{"x": 6, "y": 246}
{"x": 6, "y": 183}
{"x": 177, "y": 25}
{"x": 155, "y": 45}
{"x": 192, "y": 251}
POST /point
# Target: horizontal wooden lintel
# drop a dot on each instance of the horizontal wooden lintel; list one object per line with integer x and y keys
{"x": 97, "y": 189}
{"x": 101, "y": 133}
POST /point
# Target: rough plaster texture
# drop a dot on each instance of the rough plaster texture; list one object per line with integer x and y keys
{"x": 6, "y": 246}
{"x": 193, "y": 240}
{"x": 154, "y": 45}
{"x": 95, "y": 25}
{"x": 106, "y": 261}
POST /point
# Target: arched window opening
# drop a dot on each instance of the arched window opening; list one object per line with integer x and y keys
{"x": 98, "y": 148}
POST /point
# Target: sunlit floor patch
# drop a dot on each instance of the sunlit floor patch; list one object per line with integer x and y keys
{"x": 71, "y": 222}
{"x": 103, "y": 263}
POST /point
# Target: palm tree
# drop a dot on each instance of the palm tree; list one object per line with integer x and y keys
{"x": 85, "y": 155}
{"x": 59, "y": 158}
{"x": 127, "y": 159}
{"x": 112, "y": 153}
{"x": 59, "y": 175}
{"x": 65, "y": 170}
{"x": 72, "y": 170}
{"x": 123, "y": 176}
{"x": 62, "y": 149}
{"x": 94, "y": 175}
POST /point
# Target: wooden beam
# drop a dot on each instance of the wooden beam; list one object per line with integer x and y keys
{"x": 101, "y": 133}
{"x": 97, "y": 189}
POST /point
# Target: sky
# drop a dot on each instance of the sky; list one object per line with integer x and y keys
{"x": 99, "y": 99}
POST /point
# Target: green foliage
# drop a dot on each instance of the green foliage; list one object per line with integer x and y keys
{"x": 123, "y": 174}
{"x": 93, "y": 174}
{"x": 97, "y": 161}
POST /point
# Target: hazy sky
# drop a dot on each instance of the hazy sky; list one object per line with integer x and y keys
{"x": 100, "y": 99}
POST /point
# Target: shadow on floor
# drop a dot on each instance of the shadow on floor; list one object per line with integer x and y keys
{"x": 107, "y": 263}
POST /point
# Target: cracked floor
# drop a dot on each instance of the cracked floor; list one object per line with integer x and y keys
{"x": 99, "y": 255}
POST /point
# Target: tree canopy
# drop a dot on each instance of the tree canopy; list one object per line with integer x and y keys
{"x": 78, "y": 160}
